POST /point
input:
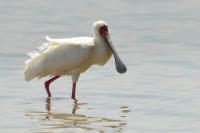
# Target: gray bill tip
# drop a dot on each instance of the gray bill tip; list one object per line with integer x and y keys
{"x": 121, "y": 68}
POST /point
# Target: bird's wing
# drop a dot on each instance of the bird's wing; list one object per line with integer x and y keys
{"x": 65, "y": 41}
{"x": 59, "y": 57}
{"x": 45, "y": 46}
{"x": 42, "y": 48}
{"x": 66, "y": 56}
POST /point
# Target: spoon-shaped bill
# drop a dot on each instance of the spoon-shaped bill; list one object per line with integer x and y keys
{"x": 120, "y": 67}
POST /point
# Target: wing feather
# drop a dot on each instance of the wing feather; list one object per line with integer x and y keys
{"x": 60, "y": 56}
{"x": 33, "y": 54}
{"x": 63, "y": 59}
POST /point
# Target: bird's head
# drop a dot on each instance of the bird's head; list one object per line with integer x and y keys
{"x": 100, "y": 30}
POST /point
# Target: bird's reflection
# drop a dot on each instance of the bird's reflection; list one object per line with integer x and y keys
{"x": 51, "y": 120}
{"x": 48, "y": 107}
{"x": 74, "y": 107}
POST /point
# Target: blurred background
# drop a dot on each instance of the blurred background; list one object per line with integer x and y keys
{"x": 158, "y": 41}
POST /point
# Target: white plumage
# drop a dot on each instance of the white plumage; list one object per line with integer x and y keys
{"x": 61, "y": 57}
{"x": 72, "y": 56}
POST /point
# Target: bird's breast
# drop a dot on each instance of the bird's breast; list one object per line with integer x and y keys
{"x": 102, "y": 54}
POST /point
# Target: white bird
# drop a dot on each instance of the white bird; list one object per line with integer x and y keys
{"x": 72, "y": 56}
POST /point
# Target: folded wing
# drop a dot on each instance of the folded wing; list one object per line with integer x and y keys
{"x": 58, "y": 57}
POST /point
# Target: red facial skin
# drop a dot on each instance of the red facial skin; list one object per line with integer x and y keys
{"x": 103, "y": 30}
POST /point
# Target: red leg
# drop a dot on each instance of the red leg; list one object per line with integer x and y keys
{"x": 47, "y": 83}
{"x": 74, "y": 91}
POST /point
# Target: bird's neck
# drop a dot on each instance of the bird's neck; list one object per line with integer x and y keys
{"x": 101, "y": 51}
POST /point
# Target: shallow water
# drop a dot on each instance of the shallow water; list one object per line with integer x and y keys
{"x": 158, "y": 41}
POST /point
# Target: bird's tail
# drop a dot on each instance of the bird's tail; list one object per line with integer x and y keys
{"x": 33, "y": 67}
